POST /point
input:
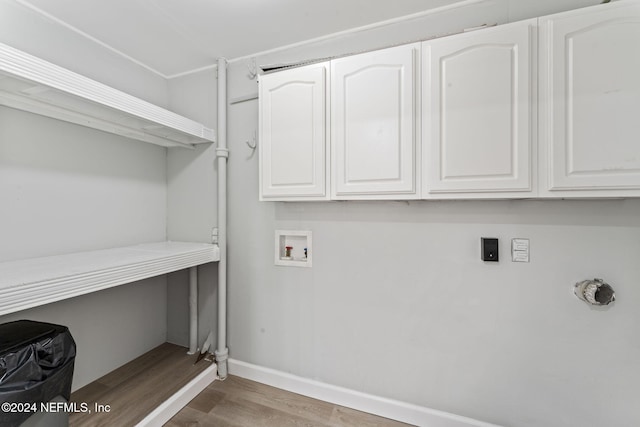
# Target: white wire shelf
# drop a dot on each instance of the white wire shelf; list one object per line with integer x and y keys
{"x": 31, "y": 84}
{"x": 37, "y": 281}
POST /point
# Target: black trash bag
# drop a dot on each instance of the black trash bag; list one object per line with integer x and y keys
{"x": 36, "y": 365}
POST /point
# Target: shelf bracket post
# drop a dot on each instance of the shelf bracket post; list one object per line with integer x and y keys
{"x": 193, "y": 310}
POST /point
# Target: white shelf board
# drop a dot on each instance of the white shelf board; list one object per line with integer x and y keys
{"x": 31, "y": 84}
{"x": 32, "y": 282}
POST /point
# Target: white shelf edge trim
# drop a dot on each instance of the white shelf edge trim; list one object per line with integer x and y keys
{"x": 180, "y": 399}
{"x": 157, "y": 125}
{"x": 33, "y": 282}
{"x": 388, "y": 408}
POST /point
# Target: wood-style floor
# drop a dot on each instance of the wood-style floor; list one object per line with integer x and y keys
{"x": 137, "y": 388}
{"x": 237, "y": 402}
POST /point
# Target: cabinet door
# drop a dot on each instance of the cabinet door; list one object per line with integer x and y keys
{"x": 293, "y": 130}
{"x": 590, "y": 101}
{"x": 373, "y": 134}
{"x": 477, "y": 113}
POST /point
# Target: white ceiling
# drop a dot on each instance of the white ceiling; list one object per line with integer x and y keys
{"x": 172, "y": 37}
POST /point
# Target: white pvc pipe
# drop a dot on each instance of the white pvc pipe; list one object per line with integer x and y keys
{"x": 193, "y": 310}
{"x": 222, "y": 153}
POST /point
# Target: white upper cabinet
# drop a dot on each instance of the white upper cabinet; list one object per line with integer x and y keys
{"x": 477, "y": 113}
{"x": 590, "y": 102}
{"x": 547, "y": 107}
{"x": 293, "y": 134}
{"x": 373, "y": 124}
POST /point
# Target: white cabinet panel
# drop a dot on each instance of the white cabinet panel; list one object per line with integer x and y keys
{"x": 477, "y": 113}
{"x": 590, "y": 101}
{"x": 373, "y": 124}
{"x": 293, "y": 130}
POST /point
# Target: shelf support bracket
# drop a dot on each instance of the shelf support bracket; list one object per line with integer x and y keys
{"x": 193, "y": 310}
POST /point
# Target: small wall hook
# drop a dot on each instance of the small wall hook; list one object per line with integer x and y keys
{"x": 253, "y": 69}
{"x": 255, "y": 141}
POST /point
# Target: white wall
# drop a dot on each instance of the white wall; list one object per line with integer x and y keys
{"x": 38, "y": 35}
{"x": 395, "y": 288}
{"x": 398, "y": 303}
{"x": 110, "y": 327}
{"x": 65, "y": 188}
{"x": 192, "y": 204}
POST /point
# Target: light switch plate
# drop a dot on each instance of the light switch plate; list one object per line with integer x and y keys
{"x": 520, "y": 250}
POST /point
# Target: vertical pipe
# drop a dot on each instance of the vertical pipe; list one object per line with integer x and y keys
{"x": 193, "y": 310}
{"x": 222, "y": 154}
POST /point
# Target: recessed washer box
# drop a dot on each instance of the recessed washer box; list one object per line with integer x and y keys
{"x": 293, "y": 248}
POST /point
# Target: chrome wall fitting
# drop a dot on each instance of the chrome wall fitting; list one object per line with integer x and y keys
{"x": 594, "y": 292}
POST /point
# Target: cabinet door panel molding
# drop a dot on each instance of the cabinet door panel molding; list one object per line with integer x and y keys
{"x": 477, "y": 113}
{"x": 589, "y": 102}
{"x": 373, "y": 110}
{"x": 293, "y": 130}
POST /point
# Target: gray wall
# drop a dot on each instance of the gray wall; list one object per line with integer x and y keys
{"x": 33, "y": 33}
{"x": 398, "y": 303}
{"x": 192, "y": 204}
{"x": 102, "y": 191}
{"x": 65, "y": 188}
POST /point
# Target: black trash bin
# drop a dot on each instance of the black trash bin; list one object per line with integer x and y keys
{"x": 36, "y": 369}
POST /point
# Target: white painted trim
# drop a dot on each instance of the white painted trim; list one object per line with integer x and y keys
{"x": 180, "y": 399}
{"x": 37, "y": 281}
{"x": 58, "y": 21}
{"x": 194, "y": 71}
{"x": 244, "y": 98}
{"x": 367, "y": 27}
{"x": 388, "y": 408}
{"x": 380, "y": 24}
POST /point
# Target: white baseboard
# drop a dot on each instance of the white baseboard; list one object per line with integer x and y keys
{"x": 179, "y": 400}
{"x": 388, "y": 408}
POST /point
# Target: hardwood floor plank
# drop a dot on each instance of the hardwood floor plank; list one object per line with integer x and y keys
{"x": 189, "y": 417}
{"x": 206, "y": 400}
{"x": 92, "y": 392}
{"x": 347, "y": 417}
{"x": 246, "y": 413}
{"x": 137, "y": 388}
{"x": 278, "y": 399}
{"x": 238, "y": 402}
{"x": 139, "y": 365}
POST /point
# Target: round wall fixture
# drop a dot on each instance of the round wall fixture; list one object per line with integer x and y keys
{"x": 594, "y": 292}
